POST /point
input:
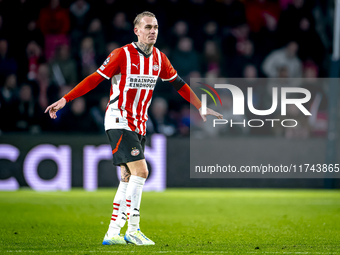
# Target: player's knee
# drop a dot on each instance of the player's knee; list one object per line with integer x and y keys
{"x": 144, "y": 172}
{"x": 139, "y": 168}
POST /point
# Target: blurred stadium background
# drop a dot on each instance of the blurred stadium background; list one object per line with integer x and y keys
{"x": 47, "y": 47}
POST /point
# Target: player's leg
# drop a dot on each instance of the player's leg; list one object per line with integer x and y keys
{"x": 119, "y": 214}
{"x": 128, "y": 148}
{"x": 118, "y": 218}
{"x": 139, "y": 173}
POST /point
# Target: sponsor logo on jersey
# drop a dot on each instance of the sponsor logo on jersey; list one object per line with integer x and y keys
{"x": 135, "y": 65}
{"x": 135, "y": 152}
{"x": 106, "y": 61}
{"x": 155, "y": 67}
{"x": 143, "y": 82}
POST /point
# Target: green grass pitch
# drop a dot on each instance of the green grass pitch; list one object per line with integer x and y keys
{"x": 180, "y": 221}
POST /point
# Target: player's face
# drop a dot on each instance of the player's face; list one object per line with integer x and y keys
{"x": 147, "y": 30}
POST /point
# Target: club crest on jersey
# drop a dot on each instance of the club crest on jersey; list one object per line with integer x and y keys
{"x": 155, "y": 67}
{"x": 135, "y": 152}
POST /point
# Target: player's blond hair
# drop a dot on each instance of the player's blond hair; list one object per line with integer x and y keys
{"x": 138, "y": 18}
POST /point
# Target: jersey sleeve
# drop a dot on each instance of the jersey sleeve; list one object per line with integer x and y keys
{"x": 168, "y": 73}
{"x": 111, "y": 65}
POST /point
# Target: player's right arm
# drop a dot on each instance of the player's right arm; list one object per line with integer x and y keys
{"x": 89, "y": 83}
{"x": 109, "y": 68}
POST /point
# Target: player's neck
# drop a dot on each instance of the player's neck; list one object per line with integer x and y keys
{"x": 146, "y": 48}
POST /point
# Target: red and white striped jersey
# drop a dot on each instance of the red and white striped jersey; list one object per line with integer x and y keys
{"x": 133, "y": 78}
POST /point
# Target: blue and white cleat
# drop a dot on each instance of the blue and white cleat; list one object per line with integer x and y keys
{"x": 118, "y": 239}
{"x": 138, "y": 238}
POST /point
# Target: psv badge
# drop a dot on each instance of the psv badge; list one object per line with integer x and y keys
{"x": 135, "y": 152}
{"x": 155, "y": 67}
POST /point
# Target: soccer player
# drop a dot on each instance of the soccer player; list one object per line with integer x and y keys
{"x": 133, "y": 70}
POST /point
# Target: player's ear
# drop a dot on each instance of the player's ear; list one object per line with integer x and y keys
{"x": 136, "y": 31}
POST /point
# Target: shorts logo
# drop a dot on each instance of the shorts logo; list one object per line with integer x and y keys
{"x": 135, "y": 152}
{"x": 155, "y": 67}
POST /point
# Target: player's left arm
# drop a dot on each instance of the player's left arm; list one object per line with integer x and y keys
{"x": 188, "y": 94}
{"x": 168, "y": 73}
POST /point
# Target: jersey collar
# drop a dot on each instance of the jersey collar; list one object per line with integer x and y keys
{"x": 140, "y": 51}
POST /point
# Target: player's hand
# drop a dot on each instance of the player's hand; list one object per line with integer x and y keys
{"x": 53, "y": 108}
{"x": 210, "y": 112}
